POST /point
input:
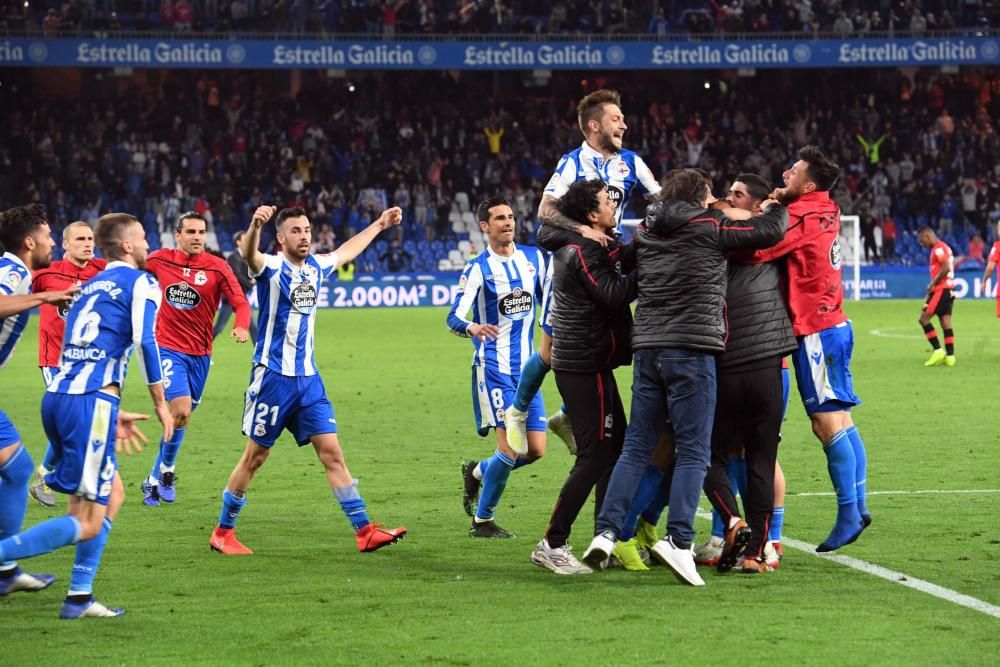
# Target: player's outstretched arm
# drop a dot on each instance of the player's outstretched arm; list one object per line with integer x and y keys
{"x": 18, "y": 303}
{"x": 128, "y": 437}
{"x": 357, "y": 244}
{"x": 251, "y": 241}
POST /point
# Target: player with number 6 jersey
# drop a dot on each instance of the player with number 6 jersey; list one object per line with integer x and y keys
{"x": 193, "y": 283}
{"x": 114, "y": 314}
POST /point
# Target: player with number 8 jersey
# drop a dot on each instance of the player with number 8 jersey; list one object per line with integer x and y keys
{"x": 193, "y": 282}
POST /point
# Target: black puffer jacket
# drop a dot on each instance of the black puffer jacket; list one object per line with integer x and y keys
{"x": 591, "y": 318}
{"x": 759, "y": 327}
{"x": 681, "y": 264}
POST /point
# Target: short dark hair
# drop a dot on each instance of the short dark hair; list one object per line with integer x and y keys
{"x": 757, "y": 187}
{"x": 591, "y": 107}
{"x": 580, "y": 200}
{"x": 685, "y": 185}
{"x": 286, "y": 213}
{"x": 483, "y": 210}
{"x": 822, "y": 170}
{"x": 925, "y": 228}
{"x": 18, "y": 223}
{"x": 110, "y": 232}
{"x": 188, "y": 215}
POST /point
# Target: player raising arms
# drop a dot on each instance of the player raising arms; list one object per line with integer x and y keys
{"x": 599, "y": 157}
{"x": 193, "y": 283}
{"x": 25, "y": 235}
{"x": 114, "y": 313}
{"x": 286, "y": 391}
{"x": 501, "y": 286}
{"x": 77, "y": 266}
{"x": 940, "y": 298}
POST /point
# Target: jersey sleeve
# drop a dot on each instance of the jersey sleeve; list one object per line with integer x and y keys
{"x": 940, "y": 253}
{"x": 145, "y": 303}
{"x": 541, "y": 271}
{"x": 469, "y": 285}
{"x": 995, "y": 253}
{"x": 14, "y": 280}
{"x": 564, "y": 176}
{"x": 327, "y": 264}
{"x": 647, "y": 183}
{"x": 271, "y": 264}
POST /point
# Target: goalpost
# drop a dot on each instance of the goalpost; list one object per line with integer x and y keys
{"x": 850, "y": 248}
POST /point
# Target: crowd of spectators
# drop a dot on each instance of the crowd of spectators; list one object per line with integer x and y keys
{"x": 389, "y": 18}
{"x": 913, "y": 150}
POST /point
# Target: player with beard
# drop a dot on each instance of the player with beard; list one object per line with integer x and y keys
{"x": 815, "y": 293}
{"x": 24, "y": 233}
{"x": 599, "y": 157}
{"x": 77, "y": 266}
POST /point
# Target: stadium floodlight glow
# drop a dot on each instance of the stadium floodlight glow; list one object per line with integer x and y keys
{"x": 351, "y": 88}
{"x": 707, "y": 85}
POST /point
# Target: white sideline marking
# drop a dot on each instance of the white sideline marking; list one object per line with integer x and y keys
{"x": 919, "y": 492}
{"x": 900, "y": 578}
{"x": 889, "y": 575}
{"x": 885, "y": 333}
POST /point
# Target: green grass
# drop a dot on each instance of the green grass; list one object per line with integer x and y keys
{"x": 399, "y": 382}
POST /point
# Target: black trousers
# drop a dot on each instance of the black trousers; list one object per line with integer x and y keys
{"x": 595, "y": 407}
{"x": 747, "y": 416}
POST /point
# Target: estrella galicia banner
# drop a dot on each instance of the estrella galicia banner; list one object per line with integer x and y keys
{"x": 684, "y": 54}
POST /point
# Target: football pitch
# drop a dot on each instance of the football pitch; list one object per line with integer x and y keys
{"x": 399, "y": 382}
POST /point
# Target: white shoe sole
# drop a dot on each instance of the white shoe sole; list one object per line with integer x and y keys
{"x": 666, "y": 554}
{"x": 598, "y": 552}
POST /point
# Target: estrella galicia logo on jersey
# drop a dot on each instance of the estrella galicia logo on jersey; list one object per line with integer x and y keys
{"x": 182, "y": 296}
{"x": 200, "y": 278}
{"x": 304, "y": 297}
{"x": 616, "y": 194}
{"x": 835, "y": 254}
{"x": 516, "y": 305}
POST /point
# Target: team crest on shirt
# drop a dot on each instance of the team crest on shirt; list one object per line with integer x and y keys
{"x": 182, "y": 296}
{"x": 200, "y": 278}
{"x": 835, "y": 254}
{"x": 620, "y": 169}
{"x": 516, "y": 305}
{"x": 303, "y": 297}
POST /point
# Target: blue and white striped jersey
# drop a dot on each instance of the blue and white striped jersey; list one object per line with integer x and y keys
{"x": 15, "y": 280}
{"x": 502, "y": 291}
{"x": 623, "y": 172}
{"x": 114, "y": 313}
{"x": 287, "y": 297}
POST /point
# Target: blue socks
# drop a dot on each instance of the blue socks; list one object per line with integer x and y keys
{"x": 88, "y": 560}
{"x": 167, "y": 457}
{"x": 532, "y": 376}
{"x": 842, "y": 468}
{"x": 649, "y": 484}
{"x": 14, "y": 478}
{"x": 777, "y": 520}
{"x": 353, "y": 506}
{"x": 861, "y": 470}
{"x": 497, "y": 471}
{"x": 231, "y": 506}
{"x": 41, "y": 539}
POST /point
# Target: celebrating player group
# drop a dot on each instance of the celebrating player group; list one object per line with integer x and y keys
{"x": 709, "y": 393}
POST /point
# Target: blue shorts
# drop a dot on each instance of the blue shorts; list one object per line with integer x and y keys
{"x": 8, "y": 433}
{"x": 823, "y": 370}
{"x": 184, "y": 374}
{"x": 81, "y": 430}
{"x": 492, "y": 393}
{"x": 547, "y": 295}
{"x": 275, "y": 402}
